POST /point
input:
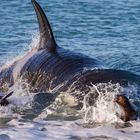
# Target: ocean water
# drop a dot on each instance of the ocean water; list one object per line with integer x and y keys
{"x": 103, "y": 29}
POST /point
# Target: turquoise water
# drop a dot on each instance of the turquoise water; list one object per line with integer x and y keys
{"x": 105, "y": 29}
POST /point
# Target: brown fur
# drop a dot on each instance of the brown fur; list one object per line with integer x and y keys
{"x": 128, "y": 111}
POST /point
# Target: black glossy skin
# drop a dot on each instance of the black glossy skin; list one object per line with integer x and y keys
{"x": 44, "y": 70}
{"x": 55, "y": 68}
{"x": 3, "y": 99}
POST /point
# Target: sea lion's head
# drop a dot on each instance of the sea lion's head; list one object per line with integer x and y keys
{"x": 128, "y": 111}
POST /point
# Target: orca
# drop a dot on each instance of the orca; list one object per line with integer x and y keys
{"x": 47, "y": 66}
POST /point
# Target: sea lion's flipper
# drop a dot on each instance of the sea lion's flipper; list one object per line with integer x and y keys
{"x": 46, "y": 36}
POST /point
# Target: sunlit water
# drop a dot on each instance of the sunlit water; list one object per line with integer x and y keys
{"x": 108, "y": 30}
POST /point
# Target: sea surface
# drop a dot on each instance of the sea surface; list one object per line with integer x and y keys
{"x": 108, "y": 30}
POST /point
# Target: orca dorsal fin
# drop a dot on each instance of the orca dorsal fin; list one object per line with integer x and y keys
{"x": 47, "y": 40}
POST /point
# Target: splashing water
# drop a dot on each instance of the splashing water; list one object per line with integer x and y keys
{"x": 104, "y": 109}
{"x": 21, "y": 100}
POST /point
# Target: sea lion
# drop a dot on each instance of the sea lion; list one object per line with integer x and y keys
{"x": 128, "y": 111}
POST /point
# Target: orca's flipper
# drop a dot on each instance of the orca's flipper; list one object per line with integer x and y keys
{"x": 46, "y": 36}
{"x": 6, "y": 96}
{"x": 4, "y": 101}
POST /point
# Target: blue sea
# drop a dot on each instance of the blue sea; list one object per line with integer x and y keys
{"x": 104, "y": 29}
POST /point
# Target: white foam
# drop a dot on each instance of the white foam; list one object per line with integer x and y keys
{"x": 64, "y": 130}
